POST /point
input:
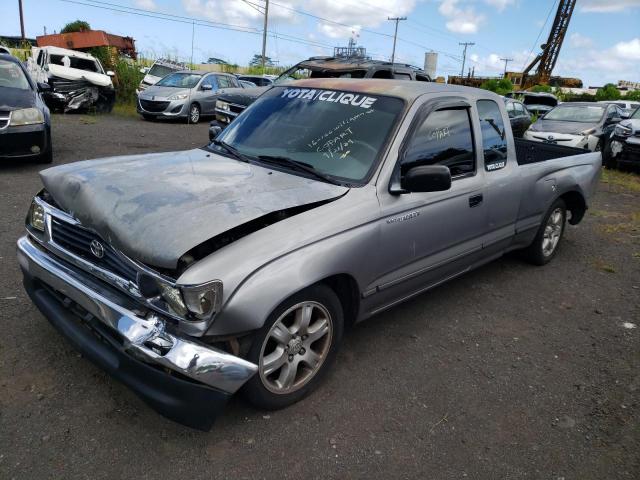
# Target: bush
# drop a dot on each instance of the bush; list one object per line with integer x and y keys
{"x": 608, "y": 92}
{"x": 633, "y": 95}
{"x": 541, "y": 89}
{"x": 127, "y": 73}
{"x": 500, "y": 87}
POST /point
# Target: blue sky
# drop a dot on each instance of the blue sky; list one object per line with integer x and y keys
{"x": 602, "y": 44}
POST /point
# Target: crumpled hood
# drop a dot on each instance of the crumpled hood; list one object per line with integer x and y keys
{"x": 68, "y": 73}
{"x": 556, "y": 126}
{"x": 157, "y": 207}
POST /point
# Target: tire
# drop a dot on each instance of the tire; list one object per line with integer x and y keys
{"x": 541, "y": 252}
{"x": 274, "y": 386}
{"x": 608, "y": 160}
{"x": 194, "y": 113}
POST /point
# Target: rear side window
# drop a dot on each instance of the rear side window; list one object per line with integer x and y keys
{"x": 443, "y": 138}
{"x": 494, "y": 140}
{"x": 224, "y": 81}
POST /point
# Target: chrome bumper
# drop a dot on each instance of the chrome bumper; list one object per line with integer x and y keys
{"x": 143, "y": 336}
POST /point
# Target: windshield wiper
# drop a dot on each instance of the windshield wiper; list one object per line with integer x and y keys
{"x": 232, "y": 150}
{"x": 298, "y": 165}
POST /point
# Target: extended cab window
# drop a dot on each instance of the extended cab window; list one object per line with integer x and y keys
{"x": 443, "y": 138}
{"x": 494, "y": 140}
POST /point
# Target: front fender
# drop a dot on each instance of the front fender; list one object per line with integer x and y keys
{"x": 259, "y": 294}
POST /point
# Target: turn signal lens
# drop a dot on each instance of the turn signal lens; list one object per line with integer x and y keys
{"x": 173, "y": 298}
{"x": 36, "y": 216}
{"x": 203, "y": 300}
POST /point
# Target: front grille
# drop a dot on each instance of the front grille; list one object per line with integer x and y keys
{"x": 237, "y": 109}
{"x": 151, "y": 106}
{"x": 77, "y": 240}
{"x": 4, "y": 119}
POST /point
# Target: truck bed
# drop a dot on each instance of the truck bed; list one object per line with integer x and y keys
{"x": 528, "y": 151}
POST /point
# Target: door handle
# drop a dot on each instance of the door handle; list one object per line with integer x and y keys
{"x": 475, "y": 200}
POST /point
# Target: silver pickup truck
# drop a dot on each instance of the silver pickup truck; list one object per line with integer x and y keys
{"x": 191, "y": 275}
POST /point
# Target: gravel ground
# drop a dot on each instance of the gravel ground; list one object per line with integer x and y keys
{"x": 510, "y": 372}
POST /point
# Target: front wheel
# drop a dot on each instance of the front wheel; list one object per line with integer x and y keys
{"x": 295, "y": 348}
{"x": 194, "y": 113}
{"x": 545, "y": 245}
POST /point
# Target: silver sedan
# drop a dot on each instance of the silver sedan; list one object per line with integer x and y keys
{"x": 185, "y": 94}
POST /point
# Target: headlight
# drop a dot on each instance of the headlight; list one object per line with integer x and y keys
{"x": 26, "y": 116}
{"x": 173, "y": 297}
{"x": 586, "y": 133}
{"x": 180, "y": 96}
{"x": 202, "y": 301}
{"x": 36, "y": 216}
{"x": 223, "y": 105}
{"x": 622, "y": 131}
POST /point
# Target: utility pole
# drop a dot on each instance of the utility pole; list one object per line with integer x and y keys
{"x": 21, "y": 20}
{"x": 506, "y": 62}
{"x": 395, "y": 35}
{"x": 464, "y": 55}
{"x": 264, "y": 34}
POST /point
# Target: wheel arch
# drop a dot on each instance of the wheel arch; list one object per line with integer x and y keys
{"x": 576, "y": 204}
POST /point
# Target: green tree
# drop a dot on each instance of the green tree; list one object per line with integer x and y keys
{"x": 608, "y": 92}
{"x": 257, "y": 61}
{"x": 76, "y": 26}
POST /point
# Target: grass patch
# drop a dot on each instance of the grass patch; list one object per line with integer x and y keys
{"x": 626, "y": 181}
{"x": 602, "y": 265}
{"x": 630, "y": 224}
{"x": 125, "y": 110}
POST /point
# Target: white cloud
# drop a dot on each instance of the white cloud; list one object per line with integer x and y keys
{"x": 352, "y": 13}
{"x": 500, "y": 5}
{"x": 146, "y": 4}
{"x": 608, "y": 5}
{"x": 577, "y": 40}
{"x": 460, "y": 19}
{"x": 609, "y": 65}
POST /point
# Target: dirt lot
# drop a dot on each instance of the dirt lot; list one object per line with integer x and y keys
{"x": 510, "y": 372}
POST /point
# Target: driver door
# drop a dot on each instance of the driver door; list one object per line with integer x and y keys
{"x": 428, "y": 237}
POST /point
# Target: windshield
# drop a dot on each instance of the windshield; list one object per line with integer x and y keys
{"x": 158, "y": 70}
{"x": 12, "y": 76}
{"x": 180, "y": 80}
{"x": 86, "y": 64}
{"x": 338, "y": 133}
{"x": 576, "y": 113}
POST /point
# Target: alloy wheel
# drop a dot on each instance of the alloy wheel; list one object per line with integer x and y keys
{"x": 295, "y": 347}
{"x": 552, "y": 232}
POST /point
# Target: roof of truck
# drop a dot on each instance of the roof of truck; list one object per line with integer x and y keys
{"x": 407, "y": 90}
{"x": 65, "y": 51}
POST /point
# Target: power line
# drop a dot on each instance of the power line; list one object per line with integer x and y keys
{"x": 535, "y": 43}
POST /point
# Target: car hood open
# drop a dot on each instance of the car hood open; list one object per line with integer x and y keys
{"x": 156, "y": 207}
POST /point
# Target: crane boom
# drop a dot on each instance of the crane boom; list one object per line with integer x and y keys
{"x": 546, "y": 60}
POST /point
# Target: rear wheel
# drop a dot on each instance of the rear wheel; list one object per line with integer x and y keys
{"x": 545, "y": 245}
{"x": 295, "y": 348}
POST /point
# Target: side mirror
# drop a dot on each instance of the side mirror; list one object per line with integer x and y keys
{"x": 144, "y": 70}
{"x": 214, "y": 130}
{"x": 206, "y": 87}
{"x": 427, "y": 178}
{"x": 111, "y": 73}
{"x": 44, "y": 87}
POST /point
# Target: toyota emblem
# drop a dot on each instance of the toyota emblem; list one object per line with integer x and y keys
{"x": 550, "y": 137}
{"x": 97, "y": 249}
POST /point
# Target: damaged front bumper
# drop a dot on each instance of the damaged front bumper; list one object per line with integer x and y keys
{"x": 75, "y": 95}
{"x": 185, "y": 380}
